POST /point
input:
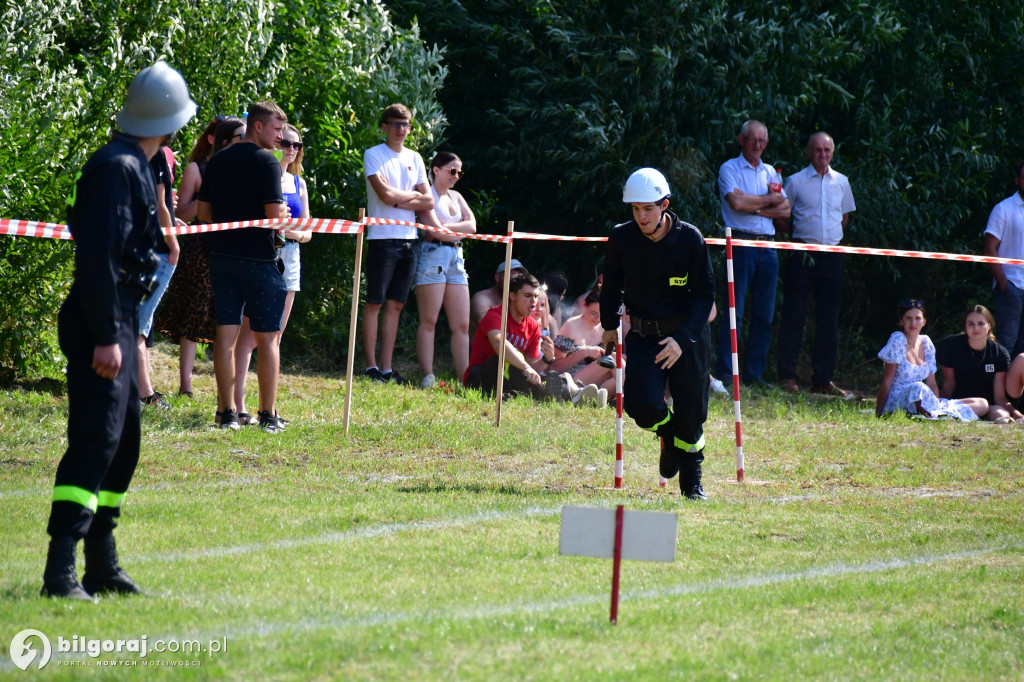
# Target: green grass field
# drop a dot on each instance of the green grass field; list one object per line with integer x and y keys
{"x": 424, "y": 545}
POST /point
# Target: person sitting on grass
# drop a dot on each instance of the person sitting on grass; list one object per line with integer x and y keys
{"x": 908, "y": 380}
{"x": 525, "y": 350}
{"x": 578, "y": 345}
{"x": 974, "y": 366}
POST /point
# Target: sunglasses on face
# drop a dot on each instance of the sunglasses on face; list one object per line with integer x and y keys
{"x": 400, "y": 125}
{"x": 288, "y": 144}
{"x": 456, "y": 173}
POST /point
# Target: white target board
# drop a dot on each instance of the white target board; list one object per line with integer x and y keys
{"x": 646, "y": 536}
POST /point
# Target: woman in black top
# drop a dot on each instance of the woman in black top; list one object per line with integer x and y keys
{"x": 974, "y": 366}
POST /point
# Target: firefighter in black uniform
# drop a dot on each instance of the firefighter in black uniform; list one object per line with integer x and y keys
{"x": 660, "y": 267}
{"x": 112, "y": 217}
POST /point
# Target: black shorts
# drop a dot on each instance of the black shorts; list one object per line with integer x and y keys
{"x": 254, "y": 288}
{"x": 390, "y": 269}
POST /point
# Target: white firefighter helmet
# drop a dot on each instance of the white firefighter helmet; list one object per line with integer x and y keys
{"x": 645, "y": 186}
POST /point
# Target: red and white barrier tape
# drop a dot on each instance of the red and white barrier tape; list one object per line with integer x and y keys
{"x": 33, "y": 228}
{"x": 865, "y": 251}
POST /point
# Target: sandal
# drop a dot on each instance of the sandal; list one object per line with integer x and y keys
{"x": 244, "y": 418}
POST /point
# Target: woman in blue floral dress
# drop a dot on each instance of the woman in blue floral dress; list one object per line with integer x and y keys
{"x": 908, "y": 381}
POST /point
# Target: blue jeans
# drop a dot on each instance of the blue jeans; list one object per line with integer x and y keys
{"x": 755, "y": 270}
{"x": 148, "y": 307}
{"x": 1009, "y": 304}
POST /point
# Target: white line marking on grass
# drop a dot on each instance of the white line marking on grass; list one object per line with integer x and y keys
{"x": 265, "y": 629}
{"x": 346, "y": 535}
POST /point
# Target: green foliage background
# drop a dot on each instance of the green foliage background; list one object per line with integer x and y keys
{"x": 66, "y": 64}
{"x": 552, "y": 103}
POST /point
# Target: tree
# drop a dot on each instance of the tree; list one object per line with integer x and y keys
{"x": 65, "y": 66}
{"x": 555, "y": 104}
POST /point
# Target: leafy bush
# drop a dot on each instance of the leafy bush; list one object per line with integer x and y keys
{"x": 66, "y": 64}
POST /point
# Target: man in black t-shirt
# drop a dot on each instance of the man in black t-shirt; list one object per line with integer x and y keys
{"x": 243, "y": 182}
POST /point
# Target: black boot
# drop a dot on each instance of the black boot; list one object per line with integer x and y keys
{"x": 102, "y": 572}
{"x": 689, "y": 481}
{"x": 59, "y": 576}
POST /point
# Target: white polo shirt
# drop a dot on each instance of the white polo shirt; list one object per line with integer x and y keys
{"x": 401, "y": 170}
{"x": 819, "y": 203}
{"x": 1006, "y": 223}
{"x": 739, "y": 174}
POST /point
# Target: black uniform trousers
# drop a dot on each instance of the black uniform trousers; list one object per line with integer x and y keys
{"x": 803, "y": 271}
{"x": 103, "y": 427}
{"x": 688, "y": 381}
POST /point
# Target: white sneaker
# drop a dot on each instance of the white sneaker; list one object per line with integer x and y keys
{"x": 602, "y": 397}
{"x": 428, "y": 381}
{"x": 588, "y": 394}
{"x": 718, "y": 387}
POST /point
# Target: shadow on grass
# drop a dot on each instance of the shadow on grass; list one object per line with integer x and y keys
{"x": 54, "y": 387}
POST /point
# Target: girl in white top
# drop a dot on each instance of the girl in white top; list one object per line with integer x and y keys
{"x": 441, "y": 270}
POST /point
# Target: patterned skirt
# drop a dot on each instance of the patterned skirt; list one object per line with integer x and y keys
{"x": 187, "y": 307}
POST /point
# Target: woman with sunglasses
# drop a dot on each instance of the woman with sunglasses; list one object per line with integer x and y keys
{"x": 974, "y": 366}
{"x": 441, "y": 277}
{"x": 185, "y": 314}
{"x": 908, "y": 380}
{"x": 293, "y": 188}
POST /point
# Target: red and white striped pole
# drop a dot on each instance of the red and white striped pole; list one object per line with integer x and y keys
{"x": 618, "y": 407}
{"x": 735, "y": 354}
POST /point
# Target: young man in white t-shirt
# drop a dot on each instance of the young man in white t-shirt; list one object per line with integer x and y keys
{"x": 396, "y": 189}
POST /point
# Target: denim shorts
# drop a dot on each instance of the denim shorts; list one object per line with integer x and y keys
{"x": 292, "y": 266}
{"x": 148, "y": 306}
{"x": 254, "y": 288}
{"x": 440, "y": 264}
{"x": 390, "y": 268}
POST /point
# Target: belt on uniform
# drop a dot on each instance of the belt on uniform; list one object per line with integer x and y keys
{"x": 740, "y": 234}
{"x": 431, "y": 240}
{"x": 659, "y": 328}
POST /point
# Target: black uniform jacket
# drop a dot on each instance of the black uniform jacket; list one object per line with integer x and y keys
{"x": 111, "y": 214}
{"x": 670, "y": 278}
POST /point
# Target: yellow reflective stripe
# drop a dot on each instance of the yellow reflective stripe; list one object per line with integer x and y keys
{"x": 690, "y": 447}
{"x": 663, "y": 421}
{"x": 109, "y": 499}
{"x": 69, "y": 493}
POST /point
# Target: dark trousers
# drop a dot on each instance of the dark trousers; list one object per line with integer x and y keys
{"x": 103, "y": 429}
{"x": 803, "y": 272}
{"x": 643, "y": 393}
{"x": 485, "y": 377}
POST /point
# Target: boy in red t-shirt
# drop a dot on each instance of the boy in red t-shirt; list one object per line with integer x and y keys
{"x": 524, "y": 357}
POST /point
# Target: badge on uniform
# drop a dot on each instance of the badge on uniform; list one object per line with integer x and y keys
{"x": 990, "y": 368}
{"x": 678, "y": 281}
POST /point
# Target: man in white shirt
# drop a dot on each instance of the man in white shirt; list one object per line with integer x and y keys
{"x": 752, "y": 196}
{"x": 1004, "y": 238}
{"x": 822, "y": 202}
{"x": 396, "y": 188}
